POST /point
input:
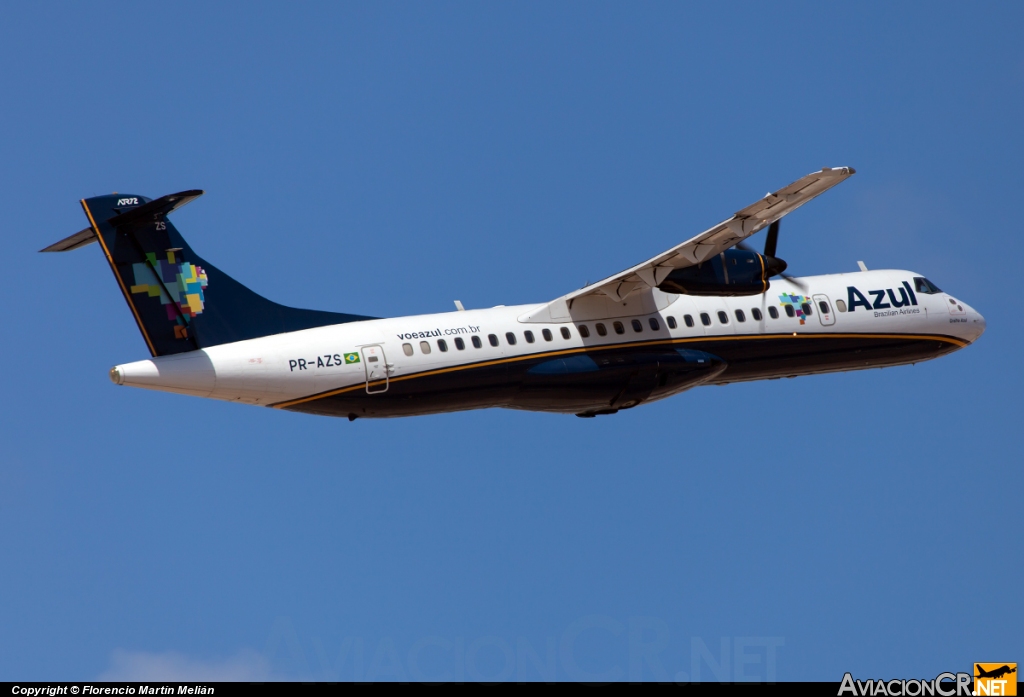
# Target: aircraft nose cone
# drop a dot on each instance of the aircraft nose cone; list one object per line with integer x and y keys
{"x": 773, "y": 266}
{"x": 975, "y": 323}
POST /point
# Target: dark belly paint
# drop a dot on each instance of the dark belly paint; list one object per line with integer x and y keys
{"x": 602, "y": 380}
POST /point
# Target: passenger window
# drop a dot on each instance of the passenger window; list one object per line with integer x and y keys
{"x": 806, "y": 307}
{"x": 756, "y": 314}
{"x": 722, "y": 317}
{"x": 510, "y": 337}
{"x": 601, "y": 329}
{"x": 566, "y": 334}
{"x": 705, "y": 319}
{"x": 740, "y": 317}
{"x": 476, "y": 341}
{"x": 653, "y": 322}
{"x": 459, "y": 343}
{"x": 546, "y": 333}
{"x": 584, "y": 331}
{"x": 637, "y": 327}
{"x": 841, "y": 305}
{"x": 619, "y": 329}
{"x": 407, "y": 349}
{"x": 688, "y": 320}
{"x": 823, "y": 306}
{"x": 492, "y": 339}
{"x": 773, "y": 312}
{"x": 790, "y": 312}
{"x": 425, "y": 346}
{"x": 442, "y": 344}
{"x": 671, "y": 322}
{"x": 529, "y": 336}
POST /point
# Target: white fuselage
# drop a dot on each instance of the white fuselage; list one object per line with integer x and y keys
{"x": 366, "y": 359}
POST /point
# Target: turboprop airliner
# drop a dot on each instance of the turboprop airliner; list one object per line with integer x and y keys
{"x": 709, "y": 311}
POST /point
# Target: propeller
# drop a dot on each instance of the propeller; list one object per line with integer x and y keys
{"x": 772, "y": 264}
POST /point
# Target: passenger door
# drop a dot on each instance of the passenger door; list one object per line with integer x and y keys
{"x": 824, "y": 307}
{"x": 376, "y": 369}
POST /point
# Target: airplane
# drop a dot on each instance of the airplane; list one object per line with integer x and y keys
{"x": 995, "y": 673}
{"x": 708, "y": 311}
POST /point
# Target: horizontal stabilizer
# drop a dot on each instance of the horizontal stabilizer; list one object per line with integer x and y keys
{"x": 79, "y": 239}
{"x": 160, "y": 207}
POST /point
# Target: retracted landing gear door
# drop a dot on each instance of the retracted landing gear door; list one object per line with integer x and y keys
{"x": 376, "y": 369}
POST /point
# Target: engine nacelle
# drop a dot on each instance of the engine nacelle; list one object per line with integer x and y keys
{"x": 733, "y": 272}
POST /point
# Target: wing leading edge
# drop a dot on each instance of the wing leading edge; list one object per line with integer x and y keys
{"x": 726, "y": 234}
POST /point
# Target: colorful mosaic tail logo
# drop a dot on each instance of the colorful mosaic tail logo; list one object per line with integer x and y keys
{"x": 184, "y": 281}
{"x": 797, "y": 302}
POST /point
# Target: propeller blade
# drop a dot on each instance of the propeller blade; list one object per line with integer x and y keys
{"x": 772, "y": 241}
{"x": 795, "y": 281}
{"x": 744, "y": 247}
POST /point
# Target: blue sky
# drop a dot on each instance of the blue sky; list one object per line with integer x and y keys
{"x": 386, "y": 159}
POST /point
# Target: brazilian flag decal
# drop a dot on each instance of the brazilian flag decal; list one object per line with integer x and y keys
{"x": 351, "y": 358}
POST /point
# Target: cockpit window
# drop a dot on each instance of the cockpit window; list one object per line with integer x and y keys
{"x": 923, "y": 285}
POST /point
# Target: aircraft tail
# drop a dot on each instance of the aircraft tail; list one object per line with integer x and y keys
{"x": 180, "y": 301}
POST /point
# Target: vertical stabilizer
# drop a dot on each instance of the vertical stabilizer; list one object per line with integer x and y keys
{"x": 180, "y": 301}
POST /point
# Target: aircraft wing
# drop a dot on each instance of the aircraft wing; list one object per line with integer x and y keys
{"x": 726, "y": 234}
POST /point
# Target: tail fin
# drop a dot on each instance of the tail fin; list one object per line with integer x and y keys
{"x": 180, "y": 302}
